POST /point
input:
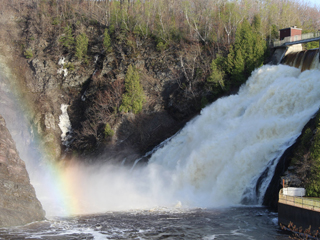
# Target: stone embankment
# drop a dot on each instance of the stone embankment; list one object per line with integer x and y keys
{"x": 18, "y": 202}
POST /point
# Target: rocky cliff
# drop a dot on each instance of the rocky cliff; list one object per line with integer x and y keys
{"x": 51, "y": 76}
{"x": 18, "y": 202}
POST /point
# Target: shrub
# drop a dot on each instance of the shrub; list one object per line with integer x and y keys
{"x": 162, "y": 46}
{"x": 28, "y": 53}
{"x": 69, "y": 66}
{"x": 55, "y": 21}
{"x": 108, "y": 132}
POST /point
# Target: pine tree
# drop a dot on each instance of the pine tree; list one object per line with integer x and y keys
{"x": 216, "y": 79}
{"x": 256, "y": 23}
{"x": 239, "y": 67}
{"x": 67, "y": 40}
{"x": 134, "y": 97}
{"x": 81, "y": 45}
{"x": 248, "y": 51}
{"x": 106, "y": 41}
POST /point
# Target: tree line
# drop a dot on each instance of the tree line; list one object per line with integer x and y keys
{"x": 192, "y": 20}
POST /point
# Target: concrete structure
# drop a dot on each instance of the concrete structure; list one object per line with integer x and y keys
{"x": 291, "y": 40}
{"x": 294, "y": 192}
{"x": 302, "y": 212}
{"x": 280, "y": 52}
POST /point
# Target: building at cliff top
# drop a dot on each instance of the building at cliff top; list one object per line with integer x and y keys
{"x": 293, "y": 32}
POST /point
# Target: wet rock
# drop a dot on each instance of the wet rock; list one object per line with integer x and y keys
{"x": 18, "y": 202}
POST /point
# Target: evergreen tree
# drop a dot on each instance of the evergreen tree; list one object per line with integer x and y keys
{"x": 239, "y": 67}
{"x": 256, "y": 23}
{"x": 67, "y": 40}
{"x": 106, "y": 41}
{"x": 274, "y": 32}
{"x": 134, "y": 97}
{"x": 81, "y": 45}
{"x": 216, "y": 78}
{"x": 248, "y": 51}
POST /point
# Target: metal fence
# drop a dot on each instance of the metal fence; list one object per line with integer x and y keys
{"x": 302, "y": 202}
{"x": 305, "y": 36}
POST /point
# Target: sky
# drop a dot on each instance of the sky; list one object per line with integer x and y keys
{"x": 314, "y": 2}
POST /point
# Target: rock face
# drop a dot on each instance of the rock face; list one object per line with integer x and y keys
{"x": 18, "y": 202}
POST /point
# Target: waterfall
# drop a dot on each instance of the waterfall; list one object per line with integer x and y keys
{"x": 216, "y": 160}
{"x": 304, "y": 60}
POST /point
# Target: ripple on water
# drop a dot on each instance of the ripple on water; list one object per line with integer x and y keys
{"x": 231, "y": 223}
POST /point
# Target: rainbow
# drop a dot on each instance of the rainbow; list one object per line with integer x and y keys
{"x": 55, "y": 185}
{"x": 59, "y": 193}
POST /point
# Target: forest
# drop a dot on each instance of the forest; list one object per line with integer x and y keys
{"x": 236, "y": 35}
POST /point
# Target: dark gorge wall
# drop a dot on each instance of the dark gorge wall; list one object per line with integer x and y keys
{"x": 18, "y": 202}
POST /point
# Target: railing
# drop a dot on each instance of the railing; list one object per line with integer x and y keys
{"x": 295, "y": 38}
{"x": 301, "y": 202}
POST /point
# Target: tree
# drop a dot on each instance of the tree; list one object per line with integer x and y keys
{"x": 248, "y": 51}
{"x": 230, "y": 17}
{"x": 106, "y": 41}
{"x": 67, "y": 40}
{"x": 134, "y": 97}
{"x": 81, "y": 45}
{"x": 216, "y": 78}
{"x": 256, "y": 23}
{"x": 239, "y": 68}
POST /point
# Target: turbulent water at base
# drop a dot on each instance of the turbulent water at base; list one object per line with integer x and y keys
{"x": 194, "y": 185}
{"x": 228, "y": 224}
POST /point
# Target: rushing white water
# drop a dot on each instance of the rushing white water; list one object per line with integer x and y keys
{"x": 214, "y": 161}
{"x": 220, "y": 154}
{"x": 217, "y": 158}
